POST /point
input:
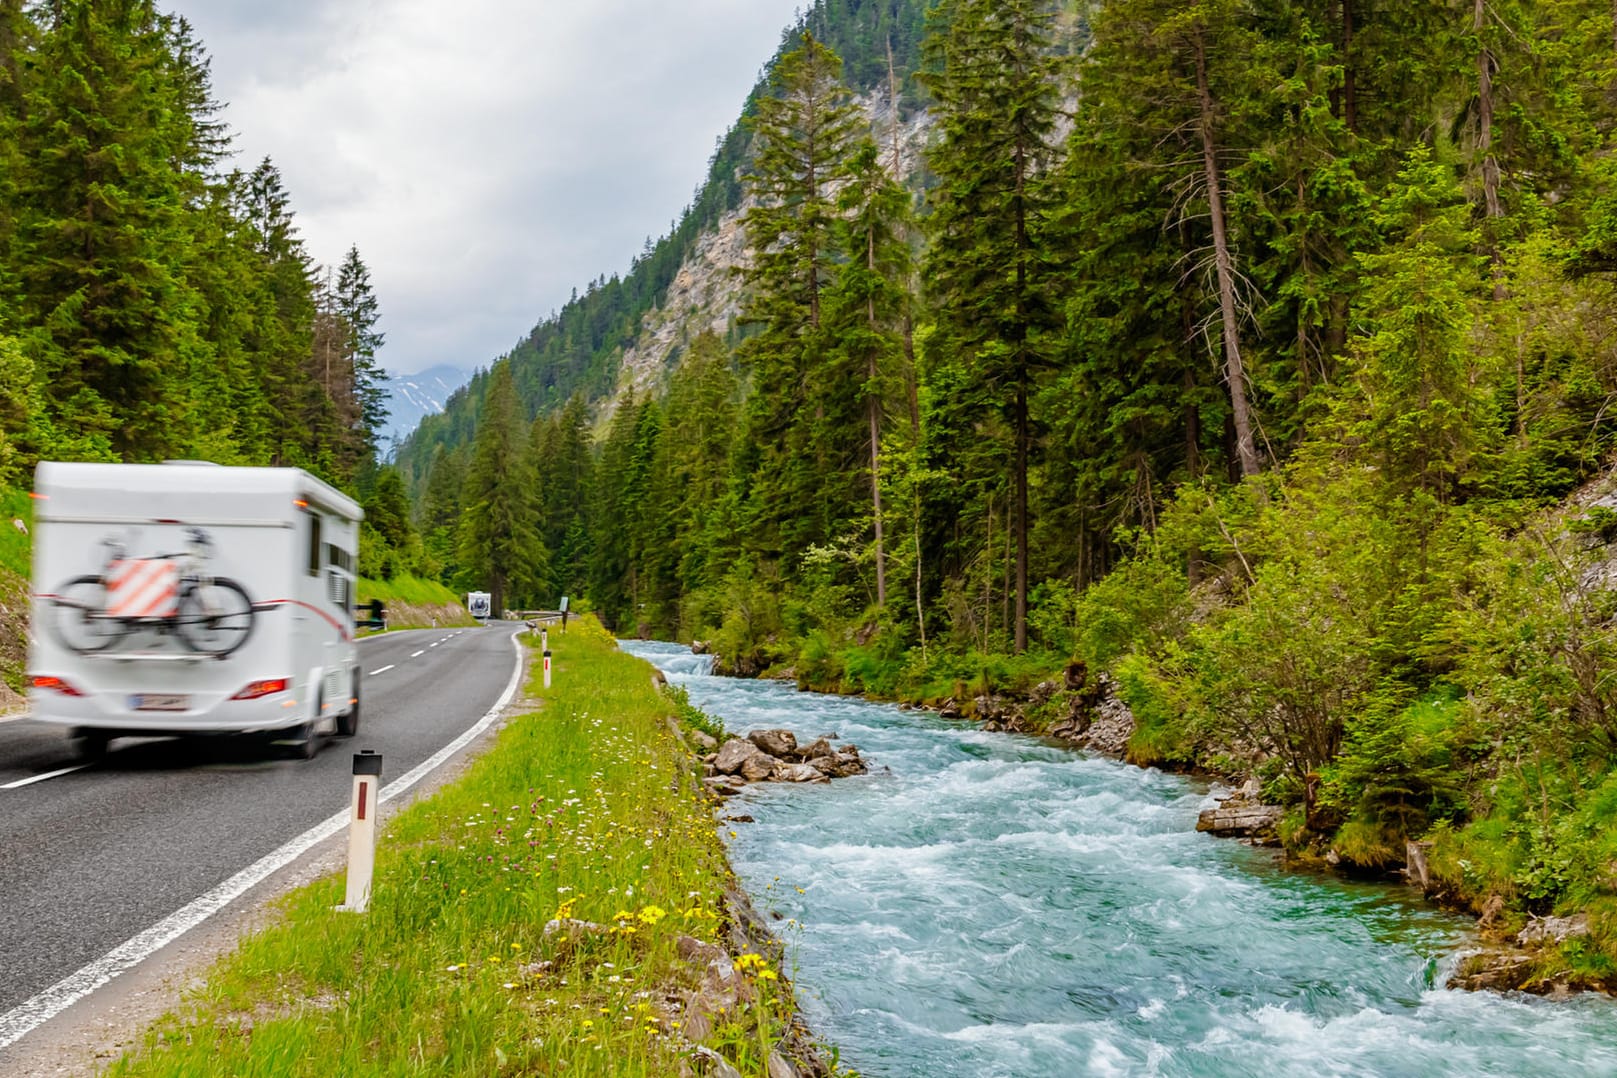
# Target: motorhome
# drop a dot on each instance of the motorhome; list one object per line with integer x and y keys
{"x": 480, "y": 604}
{"x": 190, "y": 598}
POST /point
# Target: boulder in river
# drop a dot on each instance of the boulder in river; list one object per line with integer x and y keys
{"x": 778, "y": 743}
{"x": 799, "y": 773}
{"x": 734, "y": 753}
{"x": 1241, "y": 819}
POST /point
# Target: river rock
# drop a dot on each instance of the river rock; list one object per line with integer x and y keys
{"x": 734, "y": 753}
{"x": 699, "y": 952}
{"x": 701, "y": 647}
{"x": 712, "y": 1065}
{"x": 1545, "y": 930}
{"x": 1240, "y": 819}
{"x": 799, "y": 773}
{"x": 704, "y": 741}
{"x": 1498, "y": 971}
{"x": 758, "y": 767}
{"x": 781, "y": 743}
{"x": 949, "y": 709}
{"x": 820, "y": 747}
{"x": 780, "y": 1067}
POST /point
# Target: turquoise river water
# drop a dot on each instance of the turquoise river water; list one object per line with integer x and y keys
{"x": 995, "y": 906}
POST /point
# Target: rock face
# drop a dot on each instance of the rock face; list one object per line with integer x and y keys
{"x": 774, "y": 756}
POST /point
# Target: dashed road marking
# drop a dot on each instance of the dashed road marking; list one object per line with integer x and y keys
{"x": 383, "y": 670}
{"x": 418, "y": 654}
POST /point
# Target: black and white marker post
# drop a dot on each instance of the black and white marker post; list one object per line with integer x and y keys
{"x": 362, "y": 830}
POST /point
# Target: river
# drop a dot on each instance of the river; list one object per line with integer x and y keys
{"x": 995, "y": 906}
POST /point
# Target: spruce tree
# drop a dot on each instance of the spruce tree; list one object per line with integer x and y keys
{"x": 804, "y": 125}
{"x": 356, "y": 303}
{"x": 103, "y": 234}
{"x": 996, "y": 85}
{"x": 499, "y": 538}
{"x": 867, "y": 308}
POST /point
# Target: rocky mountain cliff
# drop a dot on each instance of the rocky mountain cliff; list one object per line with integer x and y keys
{"x": 703, "y": 295}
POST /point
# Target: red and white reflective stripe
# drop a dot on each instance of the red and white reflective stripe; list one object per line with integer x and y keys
{"x": 143, "y": 588}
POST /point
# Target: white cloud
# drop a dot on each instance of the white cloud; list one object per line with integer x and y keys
{"x": 486, "y": 156}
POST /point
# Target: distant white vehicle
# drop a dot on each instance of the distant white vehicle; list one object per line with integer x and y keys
{"x": 480, "y": 603}
{"x": 188, "y": 598}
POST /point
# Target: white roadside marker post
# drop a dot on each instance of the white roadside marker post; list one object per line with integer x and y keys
{"x": 362, "y": 830}
{"x": 547, "y": 668}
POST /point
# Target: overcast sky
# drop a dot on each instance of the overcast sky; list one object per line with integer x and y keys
{"x": 487, "y": 156}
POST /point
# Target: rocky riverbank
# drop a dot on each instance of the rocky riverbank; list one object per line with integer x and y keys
{"x": 1086, "y": 712}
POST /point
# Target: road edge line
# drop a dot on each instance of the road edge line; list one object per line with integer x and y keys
{"x": 29, "y": 1015}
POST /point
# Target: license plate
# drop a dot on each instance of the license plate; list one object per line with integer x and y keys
{"x": 156, "y": 701}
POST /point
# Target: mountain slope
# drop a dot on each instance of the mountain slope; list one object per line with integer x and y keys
{"x": 622, "y": 332}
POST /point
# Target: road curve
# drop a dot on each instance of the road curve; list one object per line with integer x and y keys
{"x": 91, "y": 858}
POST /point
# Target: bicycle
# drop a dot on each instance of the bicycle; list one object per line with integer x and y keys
{"x": 166, "y": 593}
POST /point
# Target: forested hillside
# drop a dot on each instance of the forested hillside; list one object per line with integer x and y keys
{"x": 156, "y": 303}
{"x": 1261, "y": 380}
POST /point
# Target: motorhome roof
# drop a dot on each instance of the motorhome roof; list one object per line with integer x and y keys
{"x": 155, "y": 490}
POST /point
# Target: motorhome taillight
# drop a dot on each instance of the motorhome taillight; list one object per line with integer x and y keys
{"x": 56, "y": 684}
{"x": 267, "y": 687}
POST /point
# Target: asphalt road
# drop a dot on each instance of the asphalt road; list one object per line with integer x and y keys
{"x": 92, "y": 857}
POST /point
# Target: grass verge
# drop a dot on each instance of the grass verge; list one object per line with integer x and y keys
{"x": 589, "y": 811}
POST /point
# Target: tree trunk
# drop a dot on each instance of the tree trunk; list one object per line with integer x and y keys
{"x": 1490, "y": 167}
{"x": 1350, "y": 93}
{"x": 873, "y": 409}
{"x": 1234, "y": 369}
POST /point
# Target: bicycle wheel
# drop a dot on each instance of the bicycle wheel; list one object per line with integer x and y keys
{"x": 216, "y": 617}
{"x": 78, "y": 616}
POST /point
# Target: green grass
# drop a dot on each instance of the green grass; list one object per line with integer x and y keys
{"x": 414, "y": 603}
{"x": 589, "y": 809}
{"x": 406, "y": 589}
{"x": 16, "y": 547}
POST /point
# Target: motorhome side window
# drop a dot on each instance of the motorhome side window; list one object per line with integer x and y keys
{"x": 314, "y": 544}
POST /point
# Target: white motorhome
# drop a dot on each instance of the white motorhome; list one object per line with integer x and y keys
{"x": 480, "y": 604}
{"x": 190, "y": 598}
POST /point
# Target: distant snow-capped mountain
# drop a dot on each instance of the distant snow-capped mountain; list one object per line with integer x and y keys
{"x": 413, "y": 397}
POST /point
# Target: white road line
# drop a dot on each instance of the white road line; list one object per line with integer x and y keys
{"x": 17, "y": 1022}
{"x": 20, "y": 783}
{"x": 383, "y": 670}
{"x": 418, "y": 654}
{"x": 435, "y": 643}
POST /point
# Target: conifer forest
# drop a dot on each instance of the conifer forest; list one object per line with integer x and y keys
{"x": 1255, "y": 359}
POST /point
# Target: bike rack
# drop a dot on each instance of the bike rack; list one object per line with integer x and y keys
{"x": 147, "y": 656}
